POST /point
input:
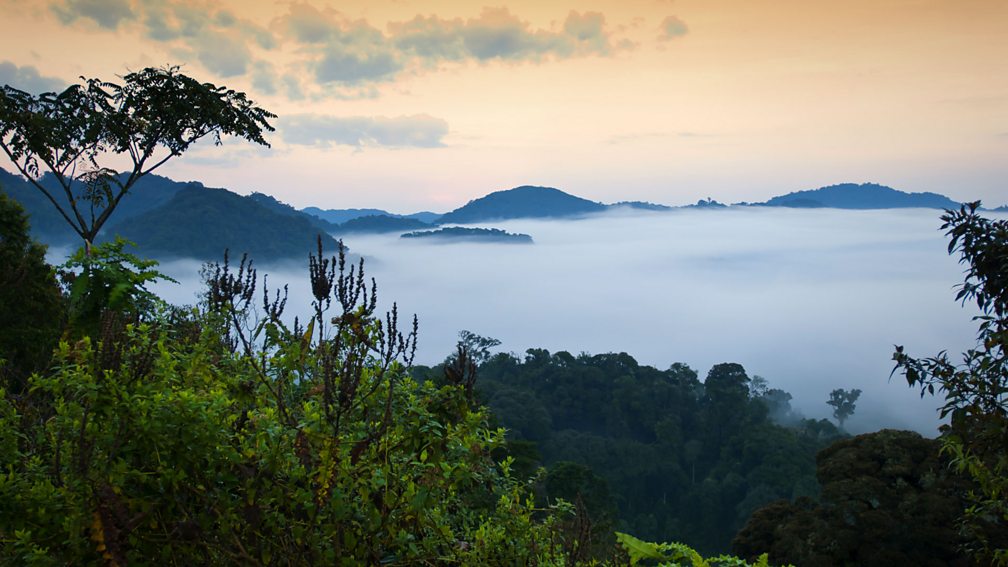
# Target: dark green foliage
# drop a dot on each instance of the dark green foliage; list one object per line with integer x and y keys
{"x": 681, "y": 461}
{"x": 154, "y": 115}
{"x": 203, "y": 222}
{"x": 976, "y": 390}
{"x": 458, "y": 233}
{"x": 887, "y": 499}
{"x": 223, "y": 436}
{"x": 108, "y": 281}
{"x": 31, "y": 306}
{"x": 589, "y": 533}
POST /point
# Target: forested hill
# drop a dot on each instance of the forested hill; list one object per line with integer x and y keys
{"x": 341, "y": 216}
{"x": 201, "y": 222}
{"x": 861, "y": 196}
{"x": 167, "y": 218}
{"x": 150, "y": 192}
{"x": 522, "y": 202}
{"x": 656, "y": 453}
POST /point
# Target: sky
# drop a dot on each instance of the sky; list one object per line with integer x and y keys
{"x": 409, "y": 105}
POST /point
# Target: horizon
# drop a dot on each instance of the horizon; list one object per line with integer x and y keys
{"x": 423, "y": 105}
{"x": 985, "y": 206}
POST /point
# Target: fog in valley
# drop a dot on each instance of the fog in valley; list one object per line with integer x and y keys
{"x": 811, "y": 300}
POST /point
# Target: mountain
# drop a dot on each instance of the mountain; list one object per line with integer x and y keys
{"x": 340, "y": 216}
{"x": 863, "y": 196}
{"x": 522, "y": 202}
{"x": 458, "y": 233}
{"x": 200, "y": 222}
{"x": 381, "y": 223}
{"x": 150, "y": 192}
{"x": 272, "y": 203}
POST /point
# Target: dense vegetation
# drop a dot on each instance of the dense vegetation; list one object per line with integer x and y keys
{"x": 202, "y": 222}
{"x": 658, "y": 452}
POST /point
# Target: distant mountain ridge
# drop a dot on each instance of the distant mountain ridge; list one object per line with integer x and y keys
{"x": 860, "y": 196}
{"x": 167, "y": 218}
{"x": 340, "y": 216}
{"x": 527, "y": 201}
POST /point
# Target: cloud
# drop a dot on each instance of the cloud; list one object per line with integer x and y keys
{"x": 339, "y": 65}
{"x": 671, "y": 28}
{"x": 417, "y": 131}
{"x": 499, "y": 34}
{"x": 264, "y": 78}
{"x": 28, "y": 79}
{"x": 339, "y": 56}
{"x": 223, "y": 53}
{"x": 106, "y": 13}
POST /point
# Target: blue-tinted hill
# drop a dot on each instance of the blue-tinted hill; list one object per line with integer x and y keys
{"x": 340, "y": 216}
{"x": 522, "y": 202}
{"x": 167, "y": 218}
{"x": 380, "y": 223}
{"x": 200, "y": 222}
{"x": 860, "y": 196}
{"x": 150, "y": 192}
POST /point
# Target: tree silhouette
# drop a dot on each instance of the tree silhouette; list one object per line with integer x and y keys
{"x": 76, "y": 135}
{"x": 843, "y": 402}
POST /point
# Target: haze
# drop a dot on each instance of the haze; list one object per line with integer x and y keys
{"x": 811, "y": 300}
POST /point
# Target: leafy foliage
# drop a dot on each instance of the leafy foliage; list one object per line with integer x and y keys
{"x": 887, "y": 499}
{"x": 976, "y": 391}
{"x": 221, "y": 435}
{"x": 679, "y": 458}
{"x": 31, "y": 316}
{"x": 677, "y": 554}
{"x": 154, "y": 115}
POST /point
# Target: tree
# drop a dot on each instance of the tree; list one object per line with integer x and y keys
{"x": 477, "y": 346}
{"x": 976, "y": 390}
{"x": 32, "y": 310}
{"x": 154, "y": 115}
{"x": 843, "y": 402}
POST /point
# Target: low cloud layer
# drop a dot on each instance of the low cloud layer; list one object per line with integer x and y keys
{"x": 812, "y": 300}
{"x": 417, "y": 131}
{"x": 27, "y": 78}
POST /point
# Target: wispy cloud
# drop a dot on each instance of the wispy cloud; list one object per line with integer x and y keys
{"x": 417, "y": 131}
{"x": 27, "y": 78}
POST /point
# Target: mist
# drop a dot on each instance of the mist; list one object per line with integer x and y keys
{"x": 811, "y": 300}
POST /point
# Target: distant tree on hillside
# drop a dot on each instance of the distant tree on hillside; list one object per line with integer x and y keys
{"x": 843, "y": 402}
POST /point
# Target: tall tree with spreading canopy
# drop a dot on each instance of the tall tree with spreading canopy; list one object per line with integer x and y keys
{"x": 154, "y": 115}
{"x": 843, "y": 402}
{"x": 976, "y": 390}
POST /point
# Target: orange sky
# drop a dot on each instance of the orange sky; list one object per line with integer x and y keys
{"x": 412, "y": 105}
